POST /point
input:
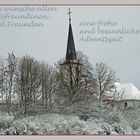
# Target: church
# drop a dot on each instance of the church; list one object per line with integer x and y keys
{"x": 70, "y": 68}
{"x": 125, "y": 95}
{"x": 71, "y": 56}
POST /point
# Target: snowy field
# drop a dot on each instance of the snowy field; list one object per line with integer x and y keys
{"x": 76, "y": 119}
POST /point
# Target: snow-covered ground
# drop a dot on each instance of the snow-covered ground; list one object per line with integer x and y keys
{"x": 80, "y": 118}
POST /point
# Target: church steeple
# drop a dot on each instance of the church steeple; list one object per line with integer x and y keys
{"x": 71, "y": 52}
{"x": 69, "y": 13}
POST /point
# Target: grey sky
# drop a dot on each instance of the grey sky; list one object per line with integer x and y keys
{"x": 49, "y": 43}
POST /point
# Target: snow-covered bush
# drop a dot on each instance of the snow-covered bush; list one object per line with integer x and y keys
{"x": 20, "y": 127}
{"x": 83, "y": 117}
{"x": 112, "y": 118}
{"x": 59, "y": 126}
{"x": 5, "y": 121}
{"x": 16, "y": 128}
{"x": 78, "y": 119}
{"x": 107, "y": 128}
{"x": 118, "y": 128}
{"x": 136, "y": 124}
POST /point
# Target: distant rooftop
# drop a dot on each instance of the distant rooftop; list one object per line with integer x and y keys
{"x": 127, "y": 91}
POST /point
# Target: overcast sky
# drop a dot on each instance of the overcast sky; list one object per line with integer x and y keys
{"x": 49, "y": 43}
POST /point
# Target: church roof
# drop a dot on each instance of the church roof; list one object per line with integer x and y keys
{"x": 127, "y": 91}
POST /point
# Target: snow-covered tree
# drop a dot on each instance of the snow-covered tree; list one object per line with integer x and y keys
{"x": 2, "y": 72}
{"x": 28, "y": 82}
{"x": 105, "y": 79}
{"x": 75, "y": 79}
{"x": 48, "y": 85}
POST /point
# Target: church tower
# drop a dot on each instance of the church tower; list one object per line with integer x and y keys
{"x": 71, "y": 52}
{"x": 71, "y": 56}
{"x": 70, "y": 68}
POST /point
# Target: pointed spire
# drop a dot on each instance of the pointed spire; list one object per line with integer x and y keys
{"x": 71, "y": 52}
{"x": 69, "y": 13}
